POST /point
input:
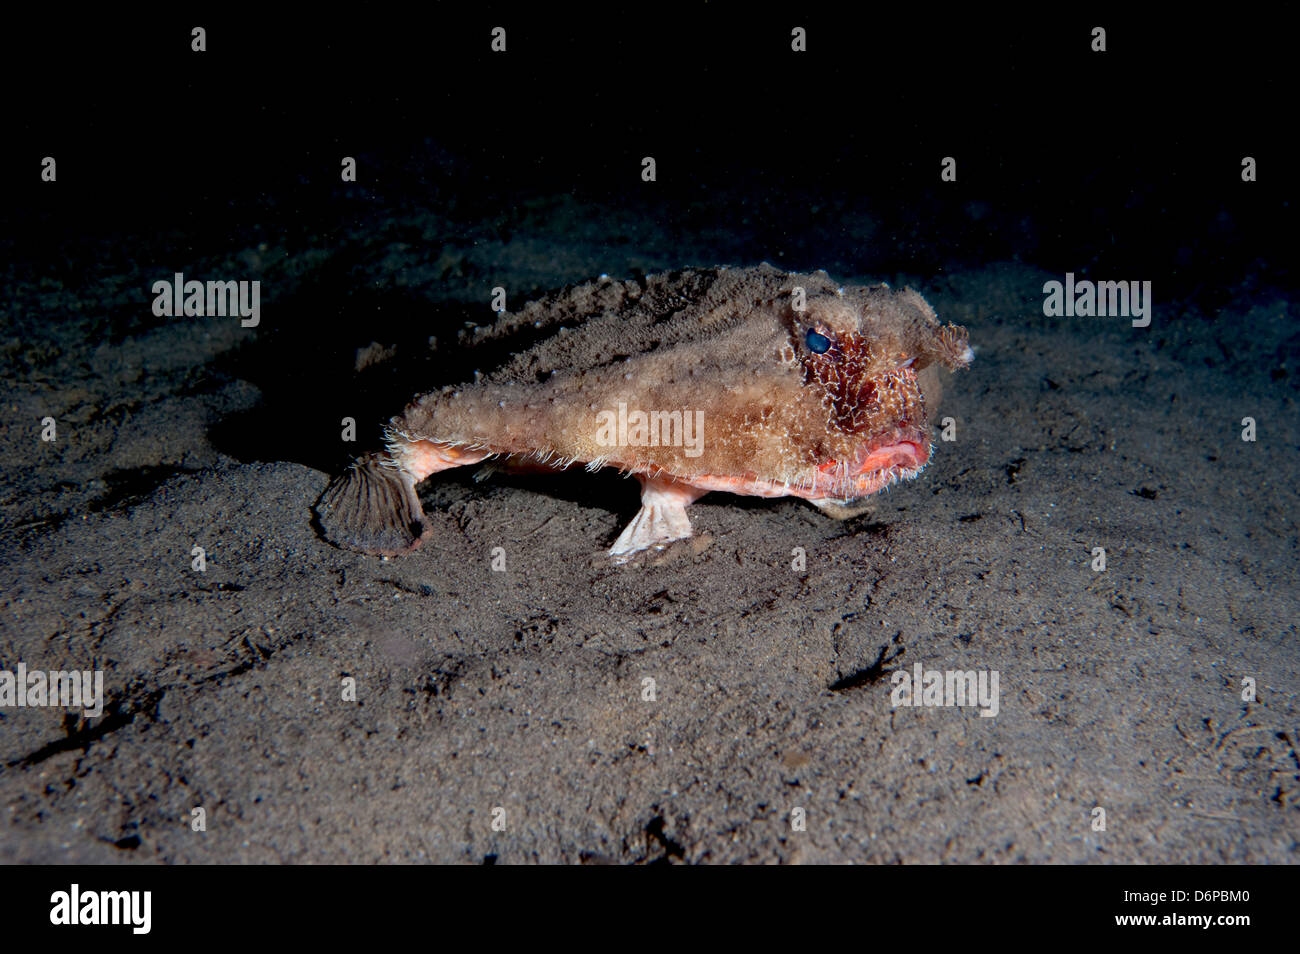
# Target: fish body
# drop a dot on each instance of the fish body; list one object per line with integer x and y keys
{"x": 752, "y": 381}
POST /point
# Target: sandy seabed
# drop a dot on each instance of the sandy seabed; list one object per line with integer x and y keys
{"x": 521, "y": 697}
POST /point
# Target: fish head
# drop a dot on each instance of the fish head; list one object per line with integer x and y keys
{"x": 867, "y": 364}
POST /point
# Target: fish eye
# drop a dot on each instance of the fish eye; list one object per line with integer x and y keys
{"x": 817, "y": 342}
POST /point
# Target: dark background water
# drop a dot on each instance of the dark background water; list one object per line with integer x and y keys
{"x": 1122, "y": 165}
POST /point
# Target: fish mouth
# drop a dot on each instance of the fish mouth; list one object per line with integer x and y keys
{"x": 897, "y": 454}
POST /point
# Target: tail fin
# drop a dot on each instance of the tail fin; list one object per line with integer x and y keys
{"x": 372, "y": 507}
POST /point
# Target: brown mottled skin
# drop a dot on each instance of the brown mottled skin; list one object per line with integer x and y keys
{"x": 779, "y": 418}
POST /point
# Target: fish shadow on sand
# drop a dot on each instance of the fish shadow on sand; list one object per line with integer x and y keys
{"x": 312, "y": 372}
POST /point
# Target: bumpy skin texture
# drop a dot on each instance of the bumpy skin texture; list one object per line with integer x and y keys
{"x": 779, "y": 418}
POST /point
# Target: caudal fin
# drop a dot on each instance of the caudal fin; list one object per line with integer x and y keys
{"x": 372, "y": 507}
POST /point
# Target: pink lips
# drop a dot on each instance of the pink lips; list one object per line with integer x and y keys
{"x": 905, "y": 454}
{"x": 905, "y": 448}
{"x": 877, "y": 464}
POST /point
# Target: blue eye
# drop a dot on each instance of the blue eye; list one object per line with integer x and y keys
{"x": 817, "y": 343}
